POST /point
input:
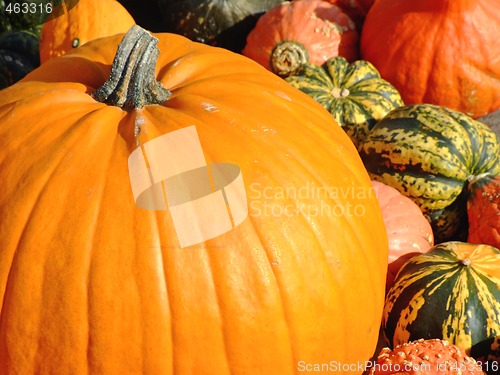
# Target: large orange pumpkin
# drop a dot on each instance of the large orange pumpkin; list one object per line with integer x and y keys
{"x": 442, "y": 52}
{"x": 92, "y": 284}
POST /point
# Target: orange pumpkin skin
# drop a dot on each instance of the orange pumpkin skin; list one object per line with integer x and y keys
{"x": 408, "y": 231}
{"x": 441, "y": 52}
{"x": 92, "y": 284}
{"x": 87, "y": 20}
{"x": 483, "y": 210}
{"x": 321, "y": 29}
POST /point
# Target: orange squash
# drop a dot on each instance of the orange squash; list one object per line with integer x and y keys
{"x": 442, "y": 52}
{"x": 295, "y": 32}
{"x": 483, "y": 209}
{"x": 408, "y": 230}
{"x": 91, "y": 283}
{"x": 77, "y": 25}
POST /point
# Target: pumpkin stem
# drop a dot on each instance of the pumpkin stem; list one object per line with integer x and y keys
{"x": 339, "y": 93}
{"x": 466, "y": 262}
{"x": 132, "y": 83}
{"x": 472, "y": 178}
{"x": 287, "y": 58}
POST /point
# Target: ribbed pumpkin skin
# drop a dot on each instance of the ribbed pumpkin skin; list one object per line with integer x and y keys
{"x": 443, "y": 52}
{"x": 437, "y": 295}
{"x": 428, "y": 153}
{"x": 91, "y": 284}
{"x": 323, "y": 30}
{"x": 483, "y": 210}
{"x": 354, "y": 94}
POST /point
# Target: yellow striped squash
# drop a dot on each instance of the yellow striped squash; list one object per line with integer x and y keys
{"x": 355, "y": 94}
{"x": 429, "y": 153}
{"x": 451, "y": 293}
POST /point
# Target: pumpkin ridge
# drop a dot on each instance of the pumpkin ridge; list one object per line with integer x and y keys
{"x": 75, "y": 131}
{"x": 62, "y": 151}
{"x": 279, "y": 285}
{"x": 220, "y": 310}
{"x": 47, "y": 176}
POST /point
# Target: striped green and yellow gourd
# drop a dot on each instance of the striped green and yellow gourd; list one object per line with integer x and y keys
{"x": 355, "y": 94}
{"x": 452, "y": 293}
{"x": 429, "y": 153}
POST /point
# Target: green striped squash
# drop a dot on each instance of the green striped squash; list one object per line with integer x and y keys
{"x": 355, "y": 94}
{"x": 428, "y": 153}
{"x": 451, "y": 293}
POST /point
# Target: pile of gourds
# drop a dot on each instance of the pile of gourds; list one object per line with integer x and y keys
{"x": 371, "y": 104}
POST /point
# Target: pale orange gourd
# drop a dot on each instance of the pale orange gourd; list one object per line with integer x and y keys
{"x": 408, "y": 230}
{"x": 85, "y": 21}
{"x": 92, "y": 284}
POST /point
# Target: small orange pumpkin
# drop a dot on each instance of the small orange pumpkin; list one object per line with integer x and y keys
{"x": 87, "y": 20}
{"x": 295, "y": 32}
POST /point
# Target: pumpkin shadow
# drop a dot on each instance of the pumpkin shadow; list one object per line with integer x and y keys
{"x": 234, "y": 38}
{"x": 219, "y": 23}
